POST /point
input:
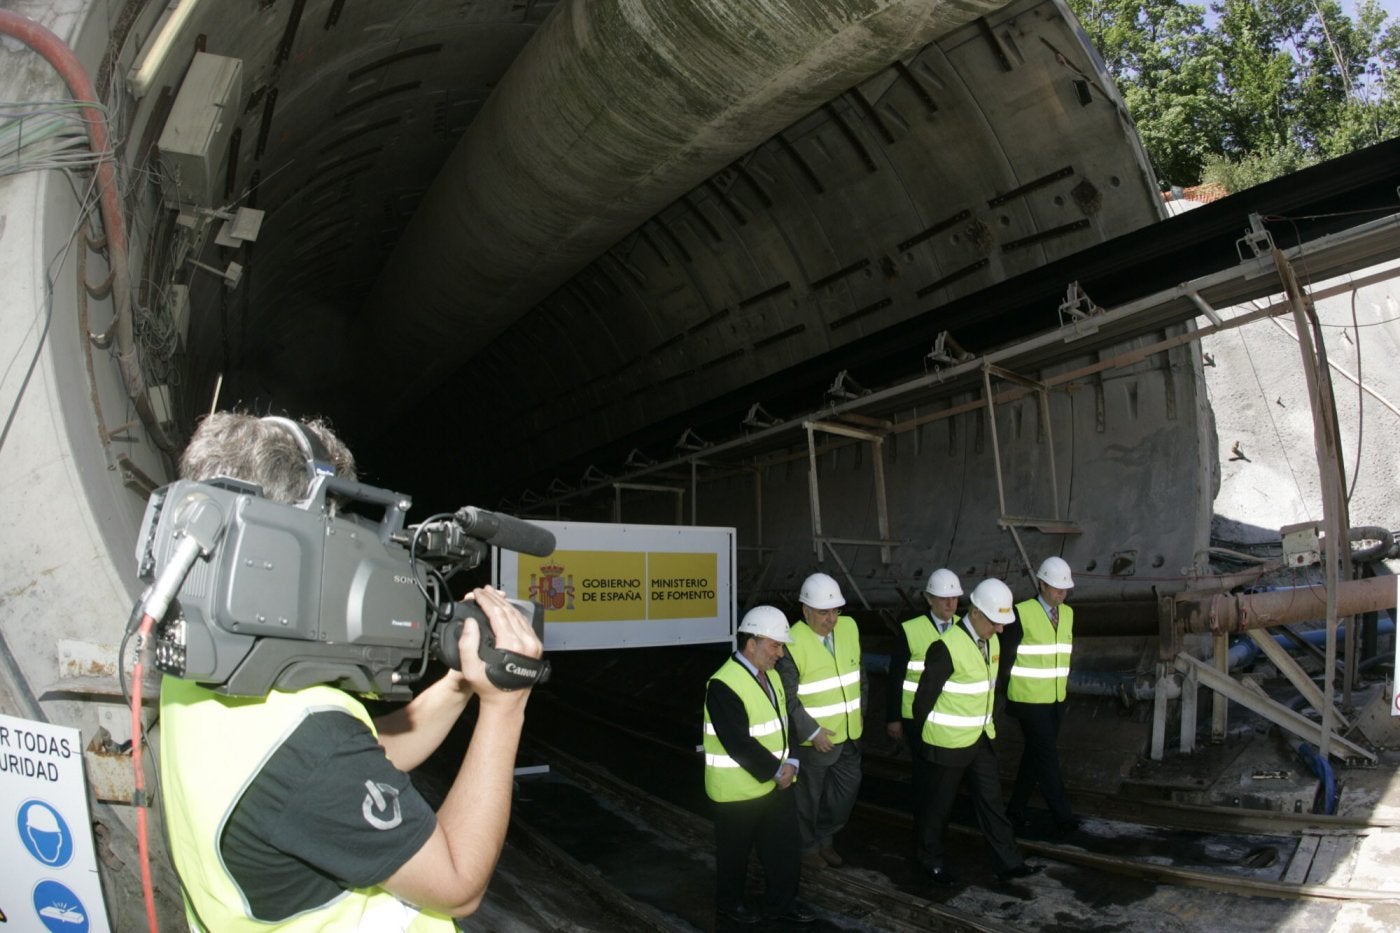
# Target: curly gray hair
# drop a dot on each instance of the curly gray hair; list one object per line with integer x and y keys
{"x": 245, "y": 447}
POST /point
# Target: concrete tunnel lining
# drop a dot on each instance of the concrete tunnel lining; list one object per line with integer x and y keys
{"x": 69, "y": 568}
{"x": 956, "y": 75}
{"x": 530, "y": 194}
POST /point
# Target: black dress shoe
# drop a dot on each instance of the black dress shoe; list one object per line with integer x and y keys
{"x": 1020, "y": 871}
{"x": 742, "y": 914}
{"x": 942, "y": 875}
{"x": 794, "y": 914}
{"x": 1067, "y": 828}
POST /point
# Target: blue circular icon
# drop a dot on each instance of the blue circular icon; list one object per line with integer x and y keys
{"x": 44, "y": 833}
{"x": 59, "y": 908}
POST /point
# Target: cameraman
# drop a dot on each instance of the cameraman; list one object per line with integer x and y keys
{"x": 296, "y": 809}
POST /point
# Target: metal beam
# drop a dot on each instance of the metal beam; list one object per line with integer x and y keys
{"x": 1331, "y": 474}
{"x": 1275, "y": 712}
{"x": 1298, "y": 677}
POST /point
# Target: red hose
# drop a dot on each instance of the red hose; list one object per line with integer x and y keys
{"x": 61, "y": 57}
{"x": 58, "y": 54}
{"x": 143, "y": 842}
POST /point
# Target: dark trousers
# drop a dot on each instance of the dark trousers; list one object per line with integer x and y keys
{"x": 914, "y": 737}
{"x": 768, "y": 824}
{"x": 1040, "y": 760}
{"x": 827, "y": 786}
{"x": 947, "y": 769}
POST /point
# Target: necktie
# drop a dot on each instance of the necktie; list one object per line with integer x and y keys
{"x": 830, "y": 644}
{"x": 983, "y": 645}
{"x": 1055, "y": 615}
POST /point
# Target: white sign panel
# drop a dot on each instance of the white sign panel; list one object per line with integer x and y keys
{"x": 628, "y": 586}
{"x": 46, "y": 850}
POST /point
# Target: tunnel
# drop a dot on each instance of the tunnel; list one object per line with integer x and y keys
{"x": 601, "y": 261}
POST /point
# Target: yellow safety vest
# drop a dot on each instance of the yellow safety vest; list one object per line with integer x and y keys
{"x": 726, "y": 780}
{"x": 829, "y": 684}
{"x": 211, "y": 748}
{"x": 964, "y": 708}
{"x": 919, "y": 632}
{"x": 1041, "y": 671}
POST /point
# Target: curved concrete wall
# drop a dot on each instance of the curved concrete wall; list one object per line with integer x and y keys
{"x": 613, "y": 109}
{"x": 74, "y": 462}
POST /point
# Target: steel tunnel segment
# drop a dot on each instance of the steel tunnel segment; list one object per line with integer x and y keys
{"x": 612, "y": 111}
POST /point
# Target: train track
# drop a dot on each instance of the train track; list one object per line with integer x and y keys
{"x": 841, "y": 894}
{"x": 1281, "y": 856}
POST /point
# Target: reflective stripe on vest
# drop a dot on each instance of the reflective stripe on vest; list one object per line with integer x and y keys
{"x": 829, "y": 684}
{"x": 919, "y": 633}
{"x": 211, "y": 749}
{"x": 1041, "y": 670}
{"x": 726, "y": 780}
{"x": 964, "y": 708}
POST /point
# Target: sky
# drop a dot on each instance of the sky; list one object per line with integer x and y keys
{"x": 1391, "y": 7}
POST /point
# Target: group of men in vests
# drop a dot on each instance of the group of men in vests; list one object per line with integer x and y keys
{"x": 783, "y": 720}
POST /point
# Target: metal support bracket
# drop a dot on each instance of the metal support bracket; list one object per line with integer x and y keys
{"x": 876, "y": 439}
{"x": 692, "y": 441}
{"x": 1054, "y": 524}
{"x": 759, "y": 418}
{"x": 677, "y": 491}
{"x": 947, "y": 352}
{"x": 1270, "y": 709}
{"x": 845, "y": 389}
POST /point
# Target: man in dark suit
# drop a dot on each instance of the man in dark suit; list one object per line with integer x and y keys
{"x": 954, "y": 701}
{"x": 749, "y": 773}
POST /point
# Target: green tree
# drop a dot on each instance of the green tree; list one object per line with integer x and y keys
{"x": 1162, "y": 57}
{"x": 1252, "y": 89}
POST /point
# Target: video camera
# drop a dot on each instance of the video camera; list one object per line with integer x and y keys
{"x": 249, "y": 594}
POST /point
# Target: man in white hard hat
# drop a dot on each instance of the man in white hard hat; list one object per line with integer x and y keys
{"x": 941, "y": 592}
{"x": 1036, "y": 664}
{"x": 749, "y": 773}
{"x": 826, "y": 686}
{"x": 955, "y": 702}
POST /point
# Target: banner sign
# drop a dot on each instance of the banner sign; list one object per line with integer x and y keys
{"x": 46, "y": 849}
{"x": 615, "y": 586}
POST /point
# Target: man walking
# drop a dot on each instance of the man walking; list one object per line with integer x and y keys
{"x": 1037, "y": 659}
{"x": 955, "y": 700}
{"x": 826, "y": 685}
{"x": 749, "y": 774}
{"x": 941, "y": 592}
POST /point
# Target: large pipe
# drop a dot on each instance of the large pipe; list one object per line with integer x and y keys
{"x": 1225, "y": 613}
{"x": 65, "y": 62}
{"x": 613, "y": 110}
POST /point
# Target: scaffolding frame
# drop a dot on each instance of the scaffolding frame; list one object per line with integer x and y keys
{"x": 1256, "y": 276}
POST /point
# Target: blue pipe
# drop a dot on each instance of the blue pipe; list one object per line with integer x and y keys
{"x": 1323, "y": 769}
{"x": 1244, "y": 651}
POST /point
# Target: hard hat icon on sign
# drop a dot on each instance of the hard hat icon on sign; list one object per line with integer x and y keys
{"x": 44, "y": 833}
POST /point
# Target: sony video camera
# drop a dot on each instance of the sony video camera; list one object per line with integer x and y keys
{"x": 249, "y": 594}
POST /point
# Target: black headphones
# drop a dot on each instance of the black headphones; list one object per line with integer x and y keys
{"x": 318, "y": 458}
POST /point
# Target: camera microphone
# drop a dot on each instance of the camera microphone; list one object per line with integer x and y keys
{"x": 512, "y": 534}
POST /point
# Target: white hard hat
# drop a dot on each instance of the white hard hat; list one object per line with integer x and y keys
{"x": 994, "y": 599}
{"x": 819, "y": 591}
{"x": 1054, "y": 571}
{"x": 943, "y": 582}
{"x": 767, "y": 621}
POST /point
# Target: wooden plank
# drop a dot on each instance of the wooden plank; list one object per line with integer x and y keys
{"x": 1331, "y": 851}
{"x": 1302, "y": 860}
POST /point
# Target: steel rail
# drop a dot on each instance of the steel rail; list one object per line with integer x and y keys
{"x": 844, "y": 893}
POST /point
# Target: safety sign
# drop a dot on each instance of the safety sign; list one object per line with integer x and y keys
{"x": 46, "y": 850}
